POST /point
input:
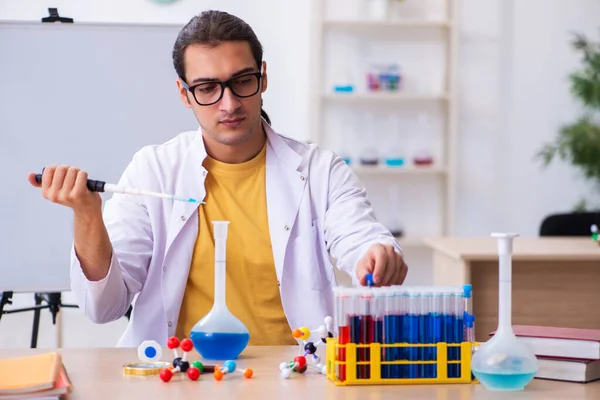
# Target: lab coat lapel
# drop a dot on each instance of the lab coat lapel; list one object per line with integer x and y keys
{"x": 285, "y": 183}
{"x": 190, "y": 183}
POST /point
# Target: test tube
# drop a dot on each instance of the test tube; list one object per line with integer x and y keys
{"x": 365, "y": 335}
{"x": 389, "y": 332}
{"x": 437, "y": 325}
{"x": 341, "y": 326}
{"x": 402, "y": 325}
{"x": 459, "y": 313}
{"x": 354, "y": 322}
{"x": 469, "y": 316}
{"x": 449, "y": 322}
{"x": 426, "y": 311}
{"x": 413, "y": 321}
{"x": 378, "y": 312}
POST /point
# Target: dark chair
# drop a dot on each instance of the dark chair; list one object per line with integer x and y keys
{"x": 128, "y": 313}
{"x": 572, "y": 224}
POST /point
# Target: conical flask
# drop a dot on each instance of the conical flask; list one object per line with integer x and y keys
{"x": 504, "y": 363}
{"x": 219, "y": 335}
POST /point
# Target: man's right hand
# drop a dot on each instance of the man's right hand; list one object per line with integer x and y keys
{"x": 68, "y": 186}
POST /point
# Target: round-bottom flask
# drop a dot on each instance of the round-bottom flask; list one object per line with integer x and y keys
{"x": 219, "y": 335}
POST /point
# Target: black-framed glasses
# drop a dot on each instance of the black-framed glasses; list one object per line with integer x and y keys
{"x": 209, "y": 93}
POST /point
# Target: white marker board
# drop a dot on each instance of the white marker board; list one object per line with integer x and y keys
{"x": 88, "y": 95}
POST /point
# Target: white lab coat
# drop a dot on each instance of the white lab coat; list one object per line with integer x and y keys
{"x": 315, "y": 203}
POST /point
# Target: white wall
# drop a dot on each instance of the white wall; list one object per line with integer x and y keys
{"x": 283, "y": 38}
{"x": 514, "y": 96}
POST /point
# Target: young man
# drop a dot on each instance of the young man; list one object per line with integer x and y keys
{"x": 290, "y": 205}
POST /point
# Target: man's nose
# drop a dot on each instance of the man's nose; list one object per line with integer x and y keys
{"x": 229, "y": 103}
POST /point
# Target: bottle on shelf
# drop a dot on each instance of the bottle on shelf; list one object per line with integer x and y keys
{"x": 383, "y": 78}
{"x": 423, "y": 155}
{"x": 369, "y": 155}
{"x": 395, "y": 156}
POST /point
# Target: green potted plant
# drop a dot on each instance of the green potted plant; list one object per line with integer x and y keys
{"x": 578, "y": 143}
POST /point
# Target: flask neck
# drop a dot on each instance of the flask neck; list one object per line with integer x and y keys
{"x": 220, "y": 274}
{"x": 505, "y": 294}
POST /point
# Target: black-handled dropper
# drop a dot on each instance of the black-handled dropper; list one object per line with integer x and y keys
{"x": 101, "y": 186}
{"x": 92, "y": 185}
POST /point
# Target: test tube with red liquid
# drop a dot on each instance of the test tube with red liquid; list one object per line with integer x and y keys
{"x": 343, "y": 330}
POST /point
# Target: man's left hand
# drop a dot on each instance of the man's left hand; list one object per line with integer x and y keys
{"x": 386, "y": 265}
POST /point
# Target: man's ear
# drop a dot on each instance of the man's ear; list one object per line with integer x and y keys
{"x": 183, "y": 94}
{"x": 264, "y": 77}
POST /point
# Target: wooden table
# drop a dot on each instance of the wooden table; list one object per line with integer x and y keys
{"x": 97, "y": 374}
{"x": 555, "y": 281}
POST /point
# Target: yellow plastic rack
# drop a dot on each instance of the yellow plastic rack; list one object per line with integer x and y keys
{"x": 375, "y": 363}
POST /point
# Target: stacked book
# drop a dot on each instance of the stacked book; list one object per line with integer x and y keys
{"x": 565, "y": 354}
{"x": 40, "y": 376}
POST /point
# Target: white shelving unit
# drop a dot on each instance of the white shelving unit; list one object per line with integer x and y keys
{"x": 422, "y": 39}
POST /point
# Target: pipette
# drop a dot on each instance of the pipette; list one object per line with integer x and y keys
{"x": 101, "y": 186}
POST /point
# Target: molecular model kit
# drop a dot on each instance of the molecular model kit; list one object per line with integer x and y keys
{"x": 149, "y": 352}
{"x": 308, "y": 348}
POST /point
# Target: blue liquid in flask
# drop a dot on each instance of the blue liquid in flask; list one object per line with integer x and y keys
{"x": 506, "y": 381}
{"x": 219, "y": 346}
{"x": 219, "y": 335}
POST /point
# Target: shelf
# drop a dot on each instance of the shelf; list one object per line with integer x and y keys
{"x": 404, "y": 170}
{"x": 379, "y": 24}
{"x": 388, "y": 97}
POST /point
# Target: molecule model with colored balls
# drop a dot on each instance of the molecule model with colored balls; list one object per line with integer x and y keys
{"x": 181, "y": 364}
{"x": 230, "y": 367}
{"x": 307, "y": 348}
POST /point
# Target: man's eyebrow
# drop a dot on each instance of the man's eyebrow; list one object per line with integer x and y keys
{"x": 240, "y": 72}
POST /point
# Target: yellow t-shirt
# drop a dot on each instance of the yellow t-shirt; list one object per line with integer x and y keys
{"x": 237, "y": 193}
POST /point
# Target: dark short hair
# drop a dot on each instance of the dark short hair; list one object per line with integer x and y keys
{"x": 211, "y": 28}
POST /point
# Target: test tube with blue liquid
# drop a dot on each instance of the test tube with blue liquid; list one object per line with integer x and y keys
{"x": 437, "y": 324}
{"x": 403, "y": 325}
{"x": 459, "y": 312}
{"x": 449, "y": 322}
{"x": 412, "y": 324}
{"x": 469, "y": 316}
{"x": 427, "y": 329}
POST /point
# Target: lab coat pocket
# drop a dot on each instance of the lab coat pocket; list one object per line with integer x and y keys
{"x": 309, "y": 269}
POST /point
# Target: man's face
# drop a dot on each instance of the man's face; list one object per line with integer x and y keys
{"x": 233, "y": 119}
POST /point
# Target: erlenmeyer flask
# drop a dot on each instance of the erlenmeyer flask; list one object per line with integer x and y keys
{"x": 220, "y": 335}
{"x": 504, "y": 362}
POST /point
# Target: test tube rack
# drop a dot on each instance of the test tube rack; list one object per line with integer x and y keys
{"x": 376, "y": 367}
{"x": 401, "y": 335}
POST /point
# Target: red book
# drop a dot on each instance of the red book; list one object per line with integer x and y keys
{"x": 547, "y": 341}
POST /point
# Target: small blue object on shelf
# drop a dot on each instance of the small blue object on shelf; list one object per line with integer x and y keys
{"x": 343, "y": 88}
{"x": 394, "y": 162}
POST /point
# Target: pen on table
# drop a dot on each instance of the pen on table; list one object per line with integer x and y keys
{"x": 101, "y": 186}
